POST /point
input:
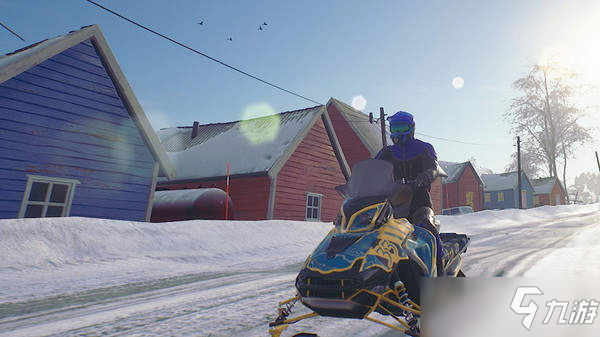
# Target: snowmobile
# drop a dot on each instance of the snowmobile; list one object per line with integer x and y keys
{"x": 373, "y": 258}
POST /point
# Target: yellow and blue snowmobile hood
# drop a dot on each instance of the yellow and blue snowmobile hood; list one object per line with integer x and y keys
{"x": 360, "y": 239}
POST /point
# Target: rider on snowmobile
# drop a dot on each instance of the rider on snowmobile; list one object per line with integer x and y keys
{"x": 415, "y": 162}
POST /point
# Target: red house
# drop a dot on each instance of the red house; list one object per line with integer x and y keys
{"x": 283, "y": 166}
{"x": 462, "y": 187}
{"x": 548, "y": 191}
{"x": 360, "y": 140}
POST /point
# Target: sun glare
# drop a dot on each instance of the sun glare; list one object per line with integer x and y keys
{"x": 359, "y": 102}
{"x": 578, "y": 49}
{"x": 260, "y": 130}
{"x": 458, "y": 82}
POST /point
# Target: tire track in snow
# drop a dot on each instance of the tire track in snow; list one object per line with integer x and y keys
{"x": 515, "y": 250}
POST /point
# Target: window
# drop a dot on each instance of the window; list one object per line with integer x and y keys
{"x": 47, "y": 197}
{"x": 500, "y": 196}
{"x": 313, "y": 206}
{"x": 488, "y": 197}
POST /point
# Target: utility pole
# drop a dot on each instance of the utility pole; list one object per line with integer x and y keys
{"x": 382, "y": 120}
{"x": 519, "y": 170}
{"x": 598, "y": 161}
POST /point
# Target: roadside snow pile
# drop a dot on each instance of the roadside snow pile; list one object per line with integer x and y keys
{"x": 488, "y": 220}
{"x": 57, "y": 255}
{"x": 41, "y": 255}
{"x": 57, "y": 242}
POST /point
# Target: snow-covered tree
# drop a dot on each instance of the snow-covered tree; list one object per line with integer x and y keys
{"x": 529, "y": 164}
{"x": 587, "y": 187}
{"x": 480, "y": 169}
{"x": 546, "y": 117}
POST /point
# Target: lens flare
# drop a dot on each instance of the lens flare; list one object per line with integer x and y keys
{"x": 458, "y": 82}
{"x": 260, "y": 123}
{"x": 359, "y": 102}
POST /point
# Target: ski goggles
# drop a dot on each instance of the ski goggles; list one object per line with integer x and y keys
{"x": 400, "y": 128}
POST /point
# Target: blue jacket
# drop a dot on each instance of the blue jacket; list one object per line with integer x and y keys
{"x": 410, "y": 159}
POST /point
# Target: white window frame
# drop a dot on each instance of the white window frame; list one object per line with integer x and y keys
{"x": 306, "y": 206}
{"x": 71, "y": 183}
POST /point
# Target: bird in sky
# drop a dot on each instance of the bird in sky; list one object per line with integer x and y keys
{"x": 201, "y": 23}
{"x": 260, "y": 28}
{"x": 265, "y": 24}
{"x": 229, "y": 39}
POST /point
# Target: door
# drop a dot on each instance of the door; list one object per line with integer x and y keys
{"x": 524, "y": 198}
{"x": 470, "y": 199}
{"x": 558, "y": 201}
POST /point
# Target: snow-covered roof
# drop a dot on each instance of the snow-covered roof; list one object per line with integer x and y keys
{"x": 544, "y": 185}
{"x": 249, "y": 146}
{"x": 499, "y": 182}
{"x": 455, "y": 171}
{"x": 13, "y": 64}
{"x": 369, "y": 134}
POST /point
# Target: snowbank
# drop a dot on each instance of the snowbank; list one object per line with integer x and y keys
{"x": 488, "y": 220}
{"x": 46, "y": 256}
{"x": 53, "y": 254}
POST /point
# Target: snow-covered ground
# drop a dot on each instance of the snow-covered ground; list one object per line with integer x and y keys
{"x": 79, "y": 276}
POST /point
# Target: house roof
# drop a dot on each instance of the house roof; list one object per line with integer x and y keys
{"x": 456, "y": 170}
{"x": 259, "y": 145}
{"x": 369, "y": 134}
{"x": 503, "y": 181}
{"x": 498, "y": 182}
{"x": 14, "y": 63}
{"x": 545, "y": 185}
{"x": 453, "y": 170}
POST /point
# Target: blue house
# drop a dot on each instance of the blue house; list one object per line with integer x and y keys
{"x": 74, "y": 141}
{"x": 500, "y": 191}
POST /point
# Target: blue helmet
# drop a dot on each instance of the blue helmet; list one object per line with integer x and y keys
{"x": 402, "y": 126}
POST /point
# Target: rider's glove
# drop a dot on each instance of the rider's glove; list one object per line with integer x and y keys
{"x": 422, "y": 179}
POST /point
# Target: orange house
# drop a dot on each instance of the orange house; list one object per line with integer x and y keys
{"x": 548, "y": 191}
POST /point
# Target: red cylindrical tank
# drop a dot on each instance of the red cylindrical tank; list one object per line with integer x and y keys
{"x": 191, "y": 204}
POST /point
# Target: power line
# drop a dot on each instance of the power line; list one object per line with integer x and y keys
{"x": 243, "y": 72}
{"x": 202, "y": 54}
{"x": 425, "y": 135}
{"x": 458, "y": 141}
{"x": 10, "y": 30}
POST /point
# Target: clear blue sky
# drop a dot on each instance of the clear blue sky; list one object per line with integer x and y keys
{"x": 401, "y": 55}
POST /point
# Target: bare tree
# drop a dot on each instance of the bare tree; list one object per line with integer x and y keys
{"x": 480, "y": 169}
{"x": 530, "y": 164}
{"x": 546, "y": 118}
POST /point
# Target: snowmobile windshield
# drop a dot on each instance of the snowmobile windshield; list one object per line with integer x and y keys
{"x": 370, "y": 178}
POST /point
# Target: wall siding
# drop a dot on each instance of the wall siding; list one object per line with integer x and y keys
{"x": 250, "y": 196}
{"x": 509, "y": 200}
{"x": 510, "y": 197}
{"x": 354, "y": 149}
{"x": 556, "y": 190}
{"x": 436, "y": 195}
{"x": 455, "y": 194}
{"x": 64, "y": 118}
{"x": 313, "y": 167}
